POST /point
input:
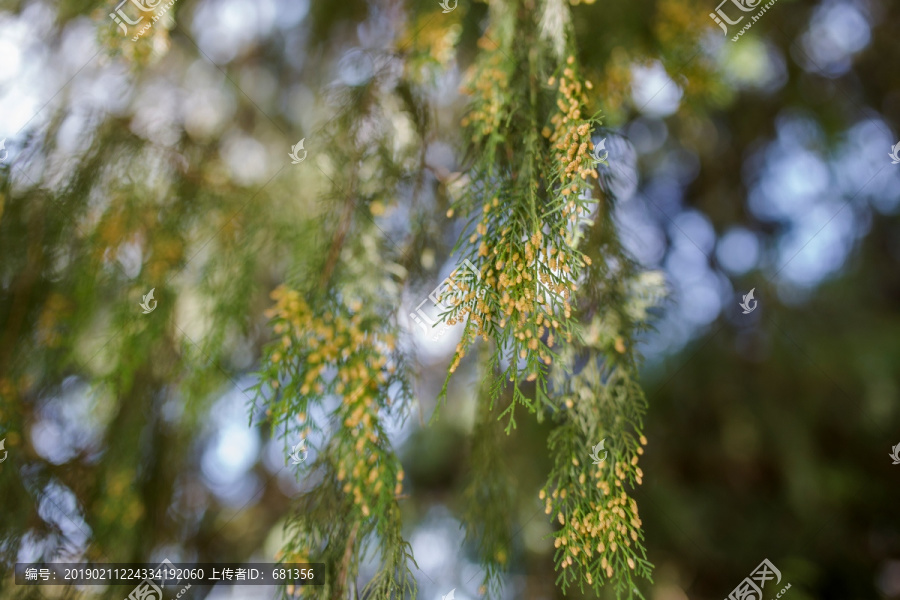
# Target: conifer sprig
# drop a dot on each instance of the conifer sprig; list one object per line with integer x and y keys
{"x": 527, "y": 195}
{"x": 600, "y": 538}
{"x": 532, "y": 190}
{"x": 336, "y": 352}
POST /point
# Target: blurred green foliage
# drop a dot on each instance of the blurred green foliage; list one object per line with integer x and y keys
{"x": 768, "y": 435}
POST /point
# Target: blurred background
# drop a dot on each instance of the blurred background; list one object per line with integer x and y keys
{"x": 160, "y": 161}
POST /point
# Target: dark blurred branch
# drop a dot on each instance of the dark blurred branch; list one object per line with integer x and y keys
{"x": 340, "y": 235}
